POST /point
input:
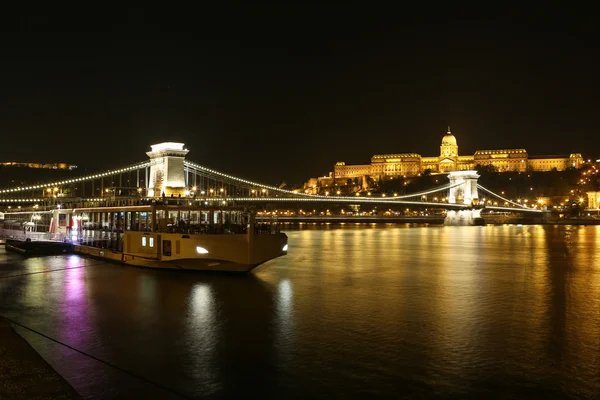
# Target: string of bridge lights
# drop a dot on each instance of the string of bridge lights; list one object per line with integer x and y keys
{"x": 85, "y": 178}
{"x": 526, "y": 209}
{"x": 497, "y": 195}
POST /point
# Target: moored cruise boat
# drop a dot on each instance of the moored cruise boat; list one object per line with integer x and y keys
{"x": 168, "y": 236}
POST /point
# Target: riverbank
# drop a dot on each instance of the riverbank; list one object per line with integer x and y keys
{"x": 24, "y": 374}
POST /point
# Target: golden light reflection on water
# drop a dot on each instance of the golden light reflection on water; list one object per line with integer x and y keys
{"x": 471, "y": 299}
{"x": 202, "y": 331}
{"x": 582, "y": 305}
{"x": 479, "y": 312}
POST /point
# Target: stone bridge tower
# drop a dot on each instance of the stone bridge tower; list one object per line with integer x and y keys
{"x": 167, "y": 174}
{"x": 465, "y": 190}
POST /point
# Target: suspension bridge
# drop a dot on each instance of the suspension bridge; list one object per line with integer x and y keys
{"x": 167, "y": 176}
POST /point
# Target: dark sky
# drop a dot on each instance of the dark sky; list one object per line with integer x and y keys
{"x": 278, "y": 93}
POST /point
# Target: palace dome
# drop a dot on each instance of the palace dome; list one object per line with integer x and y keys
{"x": 449, "y": 139}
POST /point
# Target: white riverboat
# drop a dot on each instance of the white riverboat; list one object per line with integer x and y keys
{"x": 159, "y": 236}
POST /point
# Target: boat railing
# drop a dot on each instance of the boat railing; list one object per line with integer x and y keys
{"x": 33, "y": 236}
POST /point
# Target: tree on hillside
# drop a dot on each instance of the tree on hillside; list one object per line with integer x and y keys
{"x": 485, "y": 169}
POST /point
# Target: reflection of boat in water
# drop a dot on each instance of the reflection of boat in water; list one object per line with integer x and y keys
{"x": 170, "y": 236}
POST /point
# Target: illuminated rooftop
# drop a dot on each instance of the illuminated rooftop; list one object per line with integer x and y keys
{"x": 409, "y": 155}
{"x": 503, "y": 151}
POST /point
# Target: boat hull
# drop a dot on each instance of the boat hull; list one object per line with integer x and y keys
{"x": 38, "y": 248}
{"x": 240, "y": 257}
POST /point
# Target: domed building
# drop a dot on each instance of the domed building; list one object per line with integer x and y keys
{"x": 389, "y": 166}
{"x": 449, "y": 139}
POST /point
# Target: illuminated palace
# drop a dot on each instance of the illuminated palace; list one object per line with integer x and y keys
{"x": 388, "y": 166}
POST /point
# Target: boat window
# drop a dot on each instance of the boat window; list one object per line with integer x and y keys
{"x": 144, "y": 241}
{"x": 185, "y": 236}
{"x": 151, "y": 242}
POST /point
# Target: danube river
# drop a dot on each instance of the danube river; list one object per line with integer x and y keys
{"x": 353, "y": 311}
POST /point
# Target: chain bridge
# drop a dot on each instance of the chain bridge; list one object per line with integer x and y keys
{"x": 167, "y": 176}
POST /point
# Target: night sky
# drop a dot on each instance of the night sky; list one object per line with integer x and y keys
{"x": 276, "y": 93}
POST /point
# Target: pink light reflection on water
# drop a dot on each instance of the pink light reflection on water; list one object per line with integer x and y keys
{"x": 74, "y": 307}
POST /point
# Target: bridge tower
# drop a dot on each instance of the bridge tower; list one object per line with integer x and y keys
{"x": 167, "y": 175}
{"x": 466, "y": 187}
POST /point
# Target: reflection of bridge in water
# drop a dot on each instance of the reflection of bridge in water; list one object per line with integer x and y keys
{"x": 168, "y": 177}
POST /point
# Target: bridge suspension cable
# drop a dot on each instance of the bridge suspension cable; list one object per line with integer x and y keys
{"x": 425, "y": 193}
{"x": 500, "y": 197}
{"x": 129, "y": 168}
{"x": 213, "y": 173}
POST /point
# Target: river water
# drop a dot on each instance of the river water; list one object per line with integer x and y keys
{"x": 353, "y": 311}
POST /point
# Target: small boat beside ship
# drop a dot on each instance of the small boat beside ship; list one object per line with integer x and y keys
{"x": 173, "y": 236}
{"x": 38, "y": 247}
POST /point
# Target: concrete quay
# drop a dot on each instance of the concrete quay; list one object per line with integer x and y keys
{"x": 24, "y": 374}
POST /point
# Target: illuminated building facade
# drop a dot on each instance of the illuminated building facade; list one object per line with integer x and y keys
{"x": 37, "y": 165}
{"x": 389, "y": 166}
